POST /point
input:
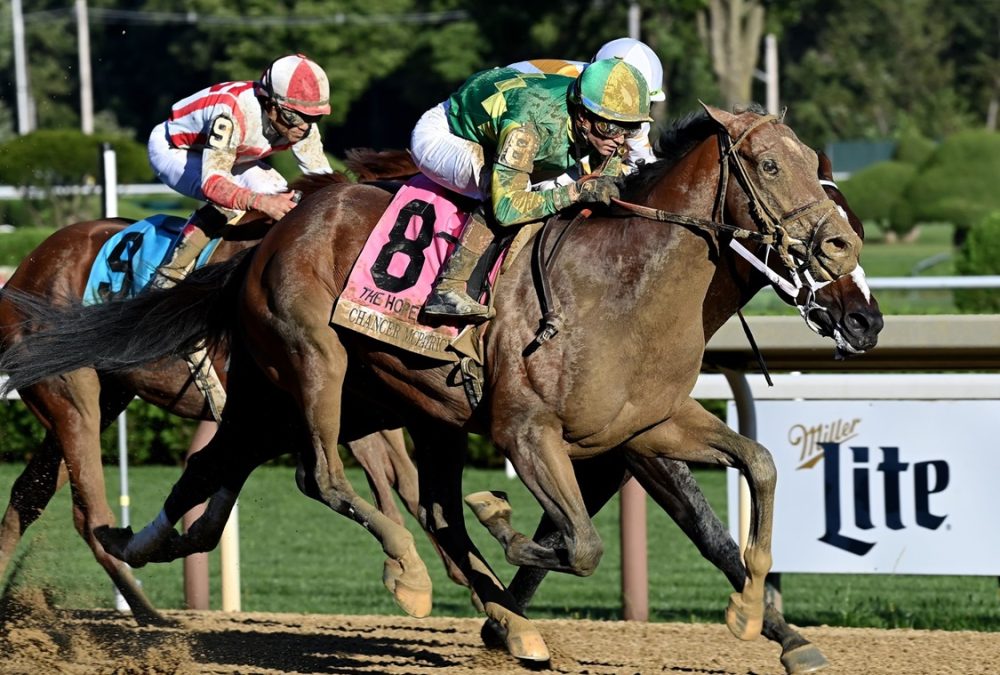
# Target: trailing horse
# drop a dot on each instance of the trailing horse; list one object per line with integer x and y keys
{"x": 640, "y": 299}
{"x": 77, "y": 406}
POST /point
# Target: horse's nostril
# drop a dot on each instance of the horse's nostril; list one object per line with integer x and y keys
{"x": 858, "y": 323}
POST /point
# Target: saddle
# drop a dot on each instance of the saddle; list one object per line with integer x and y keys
{"x": 128, "y": 261}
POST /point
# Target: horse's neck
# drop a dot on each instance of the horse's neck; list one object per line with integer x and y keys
{"x": 690, "y": 188}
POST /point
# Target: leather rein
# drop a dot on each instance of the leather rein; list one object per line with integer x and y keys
{"x": 773, "y": 231}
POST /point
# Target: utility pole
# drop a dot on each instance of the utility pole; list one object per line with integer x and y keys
{"x": 769, "y": 76}
{"x": 634, "y": 18}
{"x": 25, "y": 121}
{"x": 86, "y": 81}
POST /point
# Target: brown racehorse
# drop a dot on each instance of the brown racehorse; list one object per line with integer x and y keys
{"x": 587, "y": 392}
{"x": 76, "y": 407}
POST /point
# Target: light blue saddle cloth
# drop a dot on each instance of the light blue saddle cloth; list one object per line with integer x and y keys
{"x": 128, "y": 261}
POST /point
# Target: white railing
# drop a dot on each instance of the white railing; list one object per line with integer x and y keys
{"x": 8, "y": 192}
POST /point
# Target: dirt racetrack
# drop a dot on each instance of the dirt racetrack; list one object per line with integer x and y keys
{"x": 36, "y": 638}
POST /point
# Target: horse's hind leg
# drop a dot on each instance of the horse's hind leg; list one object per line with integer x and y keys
{"x": 32, "y": 490}
{"x": 388, "y": 467}
{"x": 439, "y": 454}
{"x": 315, "y": 378}
{"x": 540, "y": 456}
{"x": 694, "y": 434}
{"x": 671, "y": 484}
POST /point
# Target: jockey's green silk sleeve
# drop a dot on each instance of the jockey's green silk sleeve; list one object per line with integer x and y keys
{"x": 514, "y": 203}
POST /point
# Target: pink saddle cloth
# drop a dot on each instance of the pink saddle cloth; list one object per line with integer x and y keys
{"x": 392, "y": 278}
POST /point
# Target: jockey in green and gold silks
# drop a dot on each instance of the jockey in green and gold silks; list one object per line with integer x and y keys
{"x": 524, "y": 128}
{"x": 522, "y": 123}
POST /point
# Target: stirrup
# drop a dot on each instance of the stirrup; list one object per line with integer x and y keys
{"x": 454, "y": 303}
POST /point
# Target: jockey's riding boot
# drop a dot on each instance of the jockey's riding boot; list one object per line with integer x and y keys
{"x": 200, "y": 227}
{"x": 450, "y": 295}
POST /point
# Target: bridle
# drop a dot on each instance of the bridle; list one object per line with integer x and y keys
{"x": 773, "y": 232}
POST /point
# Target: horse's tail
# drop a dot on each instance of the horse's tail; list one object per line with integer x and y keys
{"x": 123, "y": 334}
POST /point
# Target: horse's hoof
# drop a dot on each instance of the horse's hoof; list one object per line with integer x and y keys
{"x": 744, "y": 623}
{"x": 803, "y": 659}
{"x": 488, "y": 505}
{"x": 410, "y": 584}
{"x": 154, "y": 619}
{"x": 520, "y": 637}
{"x": 492, "y": 635}
{"x": 114, "y": 541}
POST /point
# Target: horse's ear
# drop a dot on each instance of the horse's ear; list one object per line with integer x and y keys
{"x": 825, "y": 166}
{"x": 721, "y": 116}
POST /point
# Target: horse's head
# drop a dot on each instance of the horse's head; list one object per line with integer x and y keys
{"x": 844, "y": 309}
{"x": 775, "y": 191}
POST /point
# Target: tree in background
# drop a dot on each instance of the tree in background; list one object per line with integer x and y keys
{"x": 860, "y": 68}
{"x": 732, "y": 30}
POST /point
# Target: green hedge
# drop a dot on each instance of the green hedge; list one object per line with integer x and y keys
{"x": 15, "y": 246}
{"x": 154, "y": 436}
{"x": 68, "y": 157}
{"x": 957, "y": 183}
{"x": 873, "y": 191}
{"x": 980, "y": 255}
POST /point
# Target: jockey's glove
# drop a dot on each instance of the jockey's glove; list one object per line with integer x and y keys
{"x": 600, "y": 189}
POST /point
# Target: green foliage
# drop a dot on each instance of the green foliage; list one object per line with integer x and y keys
{"x": 861, "y": 68}
{"x": 957, "y": 183}
{"x": 154, "y": 436}
{"x": 287, "y": 166}
{"x": 980, "y": 255}
{"x": 51, "y": 157}
{"x": 912, "y": 147}
{"x": 16, "y": 245}
{"x": 873, "y": 191}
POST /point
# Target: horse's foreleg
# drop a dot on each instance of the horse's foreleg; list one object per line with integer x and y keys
{"x": 671, "y": 485}
{"x": 439, "y": 454}
{"x": 693, "y": 434}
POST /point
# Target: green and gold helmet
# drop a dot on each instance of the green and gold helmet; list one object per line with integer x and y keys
{"x": 614, "y": 90}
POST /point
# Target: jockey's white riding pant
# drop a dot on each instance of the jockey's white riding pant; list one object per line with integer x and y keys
{"x": 180, "y": 168}
{"x": 447, "y": 159}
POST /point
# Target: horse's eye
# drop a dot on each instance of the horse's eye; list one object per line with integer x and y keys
{"x": 770, "y": 167}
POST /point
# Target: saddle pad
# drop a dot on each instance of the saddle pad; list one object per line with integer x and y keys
{"x": 128, "y": 261}
{"x": 392, "y": 277}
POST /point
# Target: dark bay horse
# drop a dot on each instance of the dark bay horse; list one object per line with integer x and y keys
{"x": 77, "y": 406}
{"x": 590, "y": 391}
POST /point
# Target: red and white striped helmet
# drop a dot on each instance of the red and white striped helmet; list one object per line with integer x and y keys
{"x": 297, "y": 83}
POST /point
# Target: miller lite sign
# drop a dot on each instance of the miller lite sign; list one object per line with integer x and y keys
{"x": 900, "y": 487}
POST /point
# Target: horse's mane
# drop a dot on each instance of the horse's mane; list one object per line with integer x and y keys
{"x": 676, "y": 141}
{"x": 368, "y": 164}
{"x": 308, "y": 183}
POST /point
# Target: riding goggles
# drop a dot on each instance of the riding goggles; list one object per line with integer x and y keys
{"x": 611, "y": 130}
{"x": 291, "y": 118}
